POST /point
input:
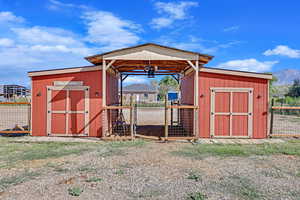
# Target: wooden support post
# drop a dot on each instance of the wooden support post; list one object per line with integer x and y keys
{"x": 166, "y": 118}
{"x": 131, "y": 117}
{"x": 104, "y": 114}
{"x": 196, "y": 101}
{"x": 272, "y": 118}
{"x": 172, "y": 114}
{"x": 121, "y": 90}
{"x": 104, "y": 83}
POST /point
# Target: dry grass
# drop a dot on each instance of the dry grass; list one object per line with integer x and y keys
{"x": 149, "y": 170}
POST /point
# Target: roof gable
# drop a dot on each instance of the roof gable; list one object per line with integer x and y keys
{"x": 149, "y": 51}
{"x": 139, "y": 88}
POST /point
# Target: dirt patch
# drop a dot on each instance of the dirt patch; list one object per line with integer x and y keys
{"x": 152, "y": 171}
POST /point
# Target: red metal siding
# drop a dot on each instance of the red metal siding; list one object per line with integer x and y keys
{"x": 92, "y": 79}
{"x": 260, "y": 102}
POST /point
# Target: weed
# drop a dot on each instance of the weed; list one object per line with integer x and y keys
{"x": 194, "y": 176}
{"x": 196, "y": 196}
{"x": 75, "y": 191}
{"x": 87, "y": 169}
{"x": 17, "y": 179}
{"x": 119, "y": 172}
{"x": 298, "y": 173}
{"x": 94, "y": 179}
{"x": 242, "y": 187}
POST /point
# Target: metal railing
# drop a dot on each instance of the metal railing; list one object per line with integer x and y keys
{"x": 15, "y": 117}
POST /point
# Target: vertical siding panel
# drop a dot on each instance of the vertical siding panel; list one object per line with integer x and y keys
{"x": 39, "y": 107}
{"x": 208, "y": 80}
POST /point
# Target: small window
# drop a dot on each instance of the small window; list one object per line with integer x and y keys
{"x": 146, "y": 95}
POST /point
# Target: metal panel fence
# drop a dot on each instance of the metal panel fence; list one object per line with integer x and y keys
{"x": 118, "y": 121}
{"x": 181, "y": 124}
{"x": 285, "y": 121}
{"x": 15, "y": 118}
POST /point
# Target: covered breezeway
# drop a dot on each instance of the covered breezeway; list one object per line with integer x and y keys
{"x": 213, "y": 103}
{"x": 178, "y": 120}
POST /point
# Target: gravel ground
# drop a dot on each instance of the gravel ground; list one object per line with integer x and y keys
{"x": 154, "y": 172}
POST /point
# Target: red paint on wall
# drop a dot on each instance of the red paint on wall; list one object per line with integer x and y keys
{"x": 92, "y": 79}
{"x": 260, "y": 102}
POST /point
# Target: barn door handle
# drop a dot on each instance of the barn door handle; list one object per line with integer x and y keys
{"x": 212, "y": 113}
{"x": 250, "y": 114}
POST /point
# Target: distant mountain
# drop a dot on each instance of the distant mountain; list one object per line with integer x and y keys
{"x": 286, "y": 76}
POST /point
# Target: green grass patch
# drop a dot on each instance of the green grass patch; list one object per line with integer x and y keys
{"x": 242, "y": 187}
{"x": 125, "y": 144}
{"x": 119, "y": 147}
{"x": 75, "y": 191}
{"x": 119, "y": 172}
{"x": 200, "y": 151}
{"x": 196, "y": 196}
{"x": 17, "y": 179}
{"x": 12, "y": 153}
{"x": 194, "y": 176}
{"x": 94, "y": 179}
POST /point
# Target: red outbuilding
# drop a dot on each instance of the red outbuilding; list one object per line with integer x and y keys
{"x": 84, "y": 101}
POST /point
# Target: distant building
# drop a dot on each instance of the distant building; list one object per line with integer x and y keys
{"x": 12, "y": 92}
{"x": 141, "y": 93}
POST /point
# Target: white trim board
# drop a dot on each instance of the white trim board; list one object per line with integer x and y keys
{"x": 68, "y": 109}
{"x": 213, "y": 112}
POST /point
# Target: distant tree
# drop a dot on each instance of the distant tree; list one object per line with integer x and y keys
{"x": 272, "y": 88}
{"x": 294, "y": 90}
{"x": 154, "y": 83}
{"x": 166, "y": 84}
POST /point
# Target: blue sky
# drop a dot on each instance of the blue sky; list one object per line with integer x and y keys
{"x": 261, "y": 36}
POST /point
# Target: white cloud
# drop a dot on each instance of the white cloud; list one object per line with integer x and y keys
{"x": 55, "y": 5}
{"x": 193, "y": 43}
{"x": 283, "y": 51}
{"x": 161, "y": 22}
{"x": 171, "y": 11}
{"x": 110, "y": 31}
{"x": 6, "y": 42}
{"x": 10, "y": 17}
{"x": 44, "y": 35}
{"x": 231, "y": 29}
{"x": 135, "y": 79}
{"x": 252, "y": 65}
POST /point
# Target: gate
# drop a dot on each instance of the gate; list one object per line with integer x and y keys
{"x": 68, "y": 110}
{"x": 180, "y": 121}
{"x": 119, "y": 122}
{"x": 230, "y": 115}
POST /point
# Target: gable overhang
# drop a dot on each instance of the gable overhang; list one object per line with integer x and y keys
{"x": 166, "y": 59}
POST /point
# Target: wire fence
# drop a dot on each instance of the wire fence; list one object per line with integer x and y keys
{"x": 15, "y": 118}
{"x": 285, "y": 121}
{"x": 118, "y": 121}
{"x": 182, "y": 120}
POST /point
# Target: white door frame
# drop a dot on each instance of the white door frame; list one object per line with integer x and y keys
{"x": 86, "y": 112}
{"x": 231, "y": 113}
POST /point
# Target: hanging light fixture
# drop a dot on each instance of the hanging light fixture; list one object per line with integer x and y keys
{"x": 150, "y": 70}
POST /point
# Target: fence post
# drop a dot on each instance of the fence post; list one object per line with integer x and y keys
{"x": 131, "y": 117}
{"x": 272, "y": 118}
{"x": 172, "y": 114}
{"x": 29, "y": 118}
{"x": 166, "y": 118}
